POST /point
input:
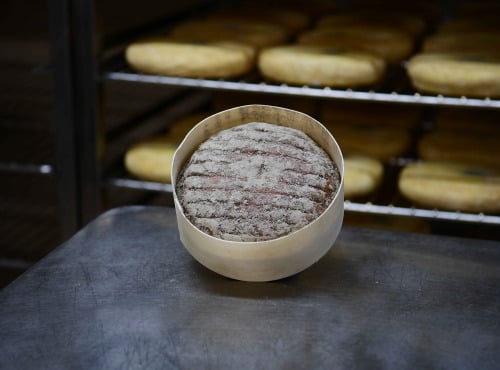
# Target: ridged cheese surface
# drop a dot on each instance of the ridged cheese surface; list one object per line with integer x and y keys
{"x": 255, "y": 182}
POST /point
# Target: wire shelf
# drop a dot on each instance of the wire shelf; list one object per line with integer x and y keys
{"x": 42, "y": 169}
{"x": 434, "y": 214}
{"x": 307, "y": 91}
{"x": 349, "y": 206}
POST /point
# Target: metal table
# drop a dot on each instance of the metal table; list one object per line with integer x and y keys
{"x": 123, "y": 293}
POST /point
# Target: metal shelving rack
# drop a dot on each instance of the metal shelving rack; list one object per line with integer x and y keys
{"x": 304, "y": 91}
{"x": 25, "y": 108}
{"x": 30, "y": 226}
{"x": 88, "y": 73}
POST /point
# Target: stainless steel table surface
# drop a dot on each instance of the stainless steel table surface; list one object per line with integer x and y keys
{"x": 124, "y": 294}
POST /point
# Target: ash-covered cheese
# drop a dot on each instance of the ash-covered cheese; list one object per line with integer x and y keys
{"x": 255, "y": 182}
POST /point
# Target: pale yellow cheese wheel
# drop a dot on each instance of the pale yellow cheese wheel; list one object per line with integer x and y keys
{"x": 458, "y": 75}
{"x": 362, "y": 175}
{"x": 451, "y": 186}
{"x": 323, "y": 66}
{"x": 164, "y": 56}
{"x": 151, "y": 159}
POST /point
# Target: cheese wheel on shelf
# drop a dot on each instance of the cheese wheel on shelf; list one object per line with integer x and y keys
{"x": 451, "y": 186}
{"x": 164, "y": 56}
{"x": 151, "y": 159}
{"x": 470, "y": 75}
{"x": 362, "y": 176}
{"x": 320, "y": 66}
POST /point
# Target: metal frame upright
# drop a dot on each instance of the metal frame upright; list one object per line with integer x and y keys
{"x": 79, "y": 144}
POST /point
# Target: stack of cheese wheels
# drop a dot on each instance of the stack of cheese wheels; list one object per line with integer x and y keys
{"x": 151, "y": 159}
{"x": 461, "y": 163}
{"x": 320, "y": 66}
{"x": 388, "y": 36}
{"x": 452, "y": 186}
{"x": 460, "y": 59}
{"x": 205, "y": 48}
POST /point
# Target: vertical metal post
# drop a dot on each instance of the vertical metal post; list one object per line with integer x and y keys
{"x": 79, "y": 138}
{"x": 89, "y": 125}
{"x": 63, "y": 117}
